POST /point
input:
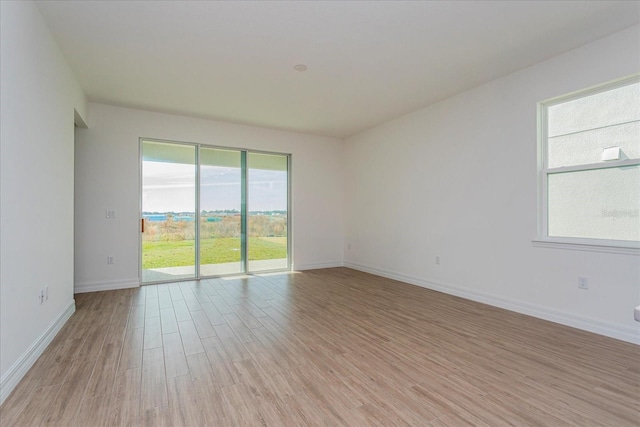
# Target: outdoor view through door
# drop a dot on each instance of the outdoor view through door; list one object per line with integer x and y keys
{"x": 267, "y": 212}
{"x": 212, "y": 211}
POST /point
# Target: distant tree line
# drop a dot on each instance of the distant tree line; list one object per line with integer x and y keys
{"x": 259, "y": 225}
{"x": 218, "y": 212}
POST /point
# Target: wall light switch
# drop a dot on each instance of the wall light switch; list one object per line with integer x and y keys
{"x": 583, "y": 283}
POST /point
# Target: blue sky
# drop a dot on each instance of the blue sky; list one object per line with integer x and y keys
{"x": 170, "y": 187}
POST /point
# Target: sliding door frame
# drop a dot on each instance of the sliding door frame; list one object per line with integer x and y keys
{"x": 244, "y": 216}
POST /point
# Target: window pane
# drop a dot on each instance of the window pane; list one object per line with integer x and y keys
{"x": 220, "y": 212}
{"x": 168, "y": 209}
{"x": 607, "y": 108}
{"x": 268, "y": 216}
{"x": 586, "y": 147}
{"x": 598, "y": 204}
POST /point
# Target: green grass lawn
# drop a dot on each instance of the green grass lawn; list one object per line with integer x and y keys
{"x": 213, "y": 251}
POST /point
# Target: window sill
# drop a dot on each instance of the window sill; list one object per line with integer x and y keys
{"x": 625, "y": 250}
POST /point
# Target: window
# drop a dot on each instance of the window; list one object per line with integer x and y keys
{"x": 589, "y": 167}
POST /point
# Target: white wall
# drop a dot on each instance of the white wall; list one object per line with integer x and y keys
{"x": 107, "y": 177}
{"x": 38, "y": 97}
{"x": 458, "y": 180}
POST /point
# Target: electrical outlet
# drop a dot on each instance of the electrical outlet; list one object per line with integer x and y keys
{"x": 110, "y": 214}
{"x": 109, "y": 260}
{"x": 438, "y": 260}
{"x": 583, "y": 283}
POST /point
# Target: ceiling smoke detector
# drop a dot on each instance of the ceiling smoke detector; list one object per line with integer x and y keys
{"x": 300, "y": 67}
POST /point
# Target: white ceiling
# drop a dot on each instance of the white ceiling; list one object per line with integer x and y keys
{"x": 369, "y": 61}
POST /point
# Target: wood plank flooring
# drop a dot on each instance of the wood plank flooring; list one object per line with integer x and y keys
{"x": 332, "y": 347}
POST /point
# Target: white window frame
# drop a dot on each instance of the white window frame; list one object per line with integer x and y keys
{"x": 575, "y": 243}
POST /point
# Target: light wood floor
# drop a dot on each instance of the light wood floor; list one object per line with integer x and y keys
{"x": 324, "y": 347}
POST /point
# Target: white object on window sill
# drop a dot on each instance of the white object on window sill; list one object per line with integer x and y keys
{"x": 611, "y": 153}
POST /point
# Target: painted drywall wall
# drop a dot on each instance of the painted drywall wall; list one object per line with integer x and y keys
{"x": 39, "y": 100}
{"x": 457, "y": 180}
{"x": 107, "y": 177}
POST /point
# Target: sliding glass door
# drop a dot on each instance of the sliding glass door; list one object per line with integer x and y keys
{"x": 168, "y": 211}
{"x": 212, "y": 211}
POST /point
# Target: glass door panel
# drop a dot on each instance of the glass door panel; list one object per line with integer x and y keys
{"x": 220, "y": 212}
{"x": 168, "y": 211}
{"x": 267, "y": 208}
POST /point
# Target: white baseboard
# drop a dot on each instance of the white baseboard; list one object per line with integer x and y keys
{"x": 106, "y": 285}
{"x": 610, "y": 330}
{"x": 12, "y": 377}
{"x": 317, "y": 265}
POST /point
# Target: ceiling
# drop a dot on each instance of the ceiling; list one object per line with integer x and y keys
{"x": 368, "y": 61}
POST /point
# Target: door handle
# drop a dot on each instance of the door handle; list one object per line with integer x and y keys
{"x": 142, "y": 222}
